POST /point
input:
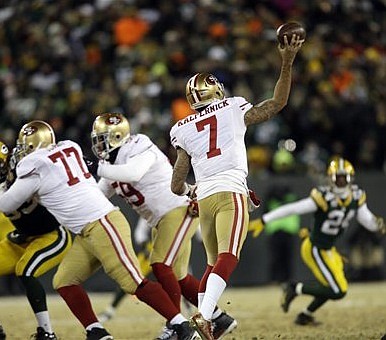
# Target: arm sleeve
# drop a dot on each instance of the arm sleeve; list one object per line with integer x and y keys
{"x": 20, "y": 191}
{"x": 366, "y": 218}
{"x": 303, "y": 206}
{"x": 132, "y": 171}
{"x": 106, "y": 188}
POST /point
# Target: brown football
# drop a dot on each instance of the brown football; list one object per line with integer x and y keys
{"x": 289, "y": 29}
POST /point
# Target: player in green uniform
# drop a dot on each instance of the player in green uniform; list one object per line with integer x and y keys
{"x": 333, "y": 207}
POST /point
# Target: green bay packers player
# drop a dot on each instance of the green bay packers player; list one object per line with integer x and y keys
{"x": 333, "y": 207}
{"x": 56, "y": 173}
{"x": 211, "y": 141}
{"x": 35, "y": 245}
{"x": 134, "y": 168}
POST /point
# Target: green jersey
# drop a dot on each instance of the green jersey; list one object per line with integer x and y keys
{"x": 333, "y": 214}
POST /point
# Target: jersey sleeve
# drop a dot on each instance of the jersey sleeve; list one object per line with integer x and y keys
{"x": 362, "y": 198}
{"x": 243, "y": 105}
{"x": 26, "y": 167}
{"x": 174, "y": 138}
{"x": 319, "y": 199}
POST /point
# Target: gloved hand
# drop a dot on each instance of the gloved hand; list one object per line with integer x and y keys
{"x": 190, "y": 191}
{"x": 303, "y": 233}
{"x": 256, "y": 227}
{"x": 381, "y": 224}
{"x": 253, "y": 201}
{"x": 92, "y": 165}
{"x": 193, "y": 208}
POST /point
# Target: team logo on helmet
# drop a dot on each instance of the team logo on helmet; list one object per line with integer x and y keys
{"x": 29, "y": 130}
{"x": 211, "y": 80}
{"x": 113, "y": 120}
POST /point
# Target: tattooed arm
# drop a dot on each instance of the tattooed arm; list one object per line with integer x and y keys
{"x": 267, "y": 109}
{"x": 180, "y": 172}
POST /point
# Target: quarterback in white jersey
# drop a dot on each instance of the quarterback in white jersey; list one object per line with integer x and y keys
{"x": 133, "y": 167}
{"x": 58, "y": 176}
{"x": 211, "y": 140}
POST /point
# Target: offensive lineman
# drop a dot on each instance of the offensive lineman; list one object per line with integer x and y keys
{"x": 211, "y": 140}
{"x": 35, "y": 245}
{"x": 333, "y": 207}
{"x": 57, "y": 174}
{"x": 133, "y": 167}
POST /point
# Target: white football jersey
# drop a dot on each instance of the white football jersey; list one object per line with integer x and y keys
{"x": 66, "y": 188}
{"x": 214, "y": 139}
{"x": 151, "y": 196}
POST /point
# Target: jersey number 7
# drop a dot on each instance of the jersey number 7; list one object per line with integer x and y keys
{"x": 212, "y": 122}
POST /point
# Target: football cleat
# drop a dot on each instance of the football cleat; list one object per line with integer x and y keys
{"x": 2, "y": 333}
{"x": 202, "y": 326}
{"x": 223, "y": 325}
{"x": 41, "y": 334}
{"x": 167, "y": 333}
{"x": 304, "y": 319}
{"x": 184, "y": 331}
{"x": 98, "y": 334}
{"x": 106, "y": 315}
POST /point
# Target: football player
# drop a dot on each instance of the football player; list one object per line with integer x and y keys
{"x": 333, "y": 207}
{"x": 211, "y": 140}
{"x": 133, "y": 167}
{"x": 35, "y": 245}
{"x": 58, "y": 176}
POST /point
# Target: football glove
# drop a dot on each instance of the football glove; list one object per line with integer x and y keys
{"x": 193, "y": 208}
{"x": 92, "y": 165}
{"x": 253, "y": 201}
{"x": 381, "y": 224}
{"x": 190, "y": 191}
{"x": 303, "y": 233}
{"x": 256, "y": 227}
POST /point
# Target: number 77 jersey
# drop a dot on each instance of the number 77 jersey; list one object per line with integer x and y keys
{"x": 214, "y": 139}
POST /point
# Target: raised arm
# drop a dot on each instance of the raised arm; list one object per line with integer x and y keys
{"x": 267, "y": 109}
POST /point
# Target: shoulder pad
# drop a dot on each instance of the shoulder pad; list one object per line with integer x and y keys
{"x": 318, "y": 196}
{"x": 26, "y": 167}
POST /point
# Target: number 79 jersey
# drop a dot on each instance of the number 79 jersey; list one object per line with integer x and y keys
{"x": 214, "y": 139}
{"x": 334, "y": 214}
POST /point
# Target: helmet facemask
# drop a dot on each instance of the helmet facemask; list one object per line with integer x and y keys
{"x": 110, "y": 131}
{"x": 341, "y": 173}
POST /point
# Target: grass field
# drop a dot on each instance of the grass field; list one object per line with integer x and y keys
{"x": 360, "y": 315}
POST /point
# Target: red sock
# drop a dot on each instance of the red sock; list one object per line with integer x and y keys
{"x": 189, "y": 288}
{"x": 79, "y": 303}
{"x": 202, "y": 287}
{"x": 225, "y": 265}
{"x": 153, "y": 295}
{"x": 168, "y": 281}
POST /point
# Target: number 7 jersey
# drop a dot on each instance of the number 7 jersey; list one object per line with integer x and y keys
{"x": 214, "y": 139}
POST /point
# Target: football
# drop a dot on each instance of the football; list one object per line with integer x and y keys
{"x": 289, "y": 29}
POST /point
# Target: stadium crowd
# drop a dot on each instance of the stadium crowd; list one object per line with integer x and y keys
{"x": 65, "y": 61}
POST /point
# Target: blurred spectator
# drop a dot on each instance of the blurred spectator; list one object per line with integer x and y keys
{"x": 71, "y": 59}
